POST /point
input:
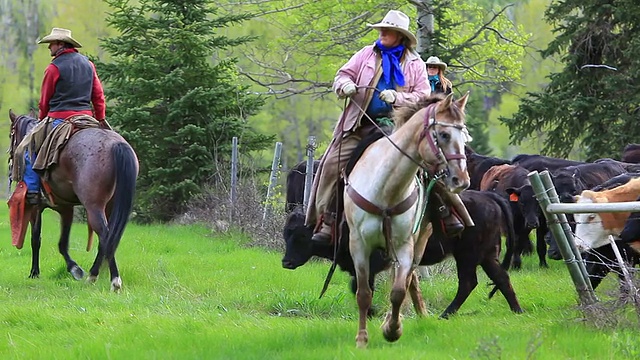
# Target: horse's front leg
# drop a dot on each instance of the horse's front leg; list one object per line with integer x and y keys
{"x": 392, "y": 326}
{"x": 66, "y": 219}
{"x": 364, "y": 294}
{"x": 35, "y": 218}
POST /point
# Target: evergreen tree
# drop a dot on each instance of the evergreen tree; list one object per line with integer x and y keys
{"x": 173, "y": 99}
{"x": 594, "y": 101}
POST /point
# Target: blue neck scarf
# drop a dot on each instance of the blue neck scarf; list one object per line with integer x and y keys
{"x": 391, "y": 63}
{"x": 434, "y": 80}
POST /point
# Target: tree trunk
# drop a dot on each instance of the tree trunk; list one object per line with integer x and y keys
{"x": 425, "y": 31}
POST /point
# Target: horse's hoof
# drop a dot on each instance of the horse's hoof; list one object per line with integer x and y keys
{"x": 34, "y": 275}
{"x": 116, "y": 284}
{"x": 362, "y": 339}
{"x": 92, "y": 279}
{"x": 77, "y": 272}
{"x": 392, "y": 333}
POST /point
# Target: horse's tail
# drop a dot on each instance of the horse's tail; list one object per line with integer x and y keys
{"x": 125, "y": 164}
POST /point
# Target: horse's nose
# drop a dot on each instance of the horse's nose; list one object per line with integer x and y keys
{"x": 459, "y": 183}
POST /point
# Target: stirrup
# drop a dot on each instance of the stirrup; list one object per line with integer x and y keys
{"x": 32, "y": 198}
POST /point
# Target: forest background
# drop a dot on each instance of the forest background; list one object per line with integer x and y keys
{"x": 493, "y": 47}
{"x": 291, "y": 117}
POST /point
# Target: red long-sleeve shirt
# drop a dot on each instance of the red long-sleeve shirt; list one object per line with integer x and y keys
{"x": 51, "y": 76}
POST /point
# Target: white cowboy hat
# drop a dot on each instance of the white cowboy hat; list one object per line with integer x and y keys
{"x": 58, "y": 34}
{"x": 435, "y": 61}
{"x": 398, "y": 21}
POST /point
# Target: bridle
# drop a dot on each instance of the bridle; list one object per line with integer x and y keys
{"x": 429, "y": 133}
{"x": 440, "y": 169}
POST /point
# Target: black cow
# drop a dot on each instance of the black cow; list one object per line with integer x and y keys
{"x": 601, "y": 261}
{"x": 534, "y": 162}
{"x": 572, "y": 180}
{"x": 631, "y": 231}
{"x": 631, "y": 153}
{"x": 569, "y": 181}
{"x": 478, "y": 245}
{"x": 511, "y": 182}
{"x": 539, "y": 163}
{"x": 477, "y": 166}
{"x": 299, "y": 247}
{"x": 295, "y": 184}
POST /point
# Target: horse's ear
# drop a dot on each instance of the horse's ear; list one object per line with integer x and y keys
{"x": 445, "y": 103}
{"x": 32, "y": 113}
{"x": 462, "y": 102}
{"x": 12, "y": 115}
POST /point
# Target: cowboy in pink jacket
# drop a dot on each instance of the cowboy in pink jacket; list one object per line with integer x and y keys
{"x": 378, "y": 77}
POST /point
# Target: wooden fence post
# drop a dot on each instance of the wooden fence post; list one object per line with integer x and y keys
{"x": 234, "y": 178}
{"x": 308, "y": 177}
{"x": 273, "y": 179}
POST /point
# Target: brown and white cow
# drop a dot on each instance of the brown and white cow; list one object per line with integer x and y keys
{"x": 593, "y": 229}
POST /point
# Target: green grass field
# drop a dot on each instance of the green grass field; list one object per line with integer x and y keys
{"x": 191, "y": 294}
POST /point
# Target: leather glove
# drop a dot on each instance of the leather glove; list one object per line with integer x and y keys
{"x": 388, "y": 96}
{"x": 349, "y": 89}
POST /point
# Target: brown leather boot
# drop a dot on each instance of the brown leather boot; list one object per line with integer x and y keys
{"x": 451, "y": 223}
{"x": 323, "y": 236}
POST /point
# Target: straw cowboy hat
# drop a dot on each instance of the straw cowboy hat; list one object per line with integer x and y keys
{"x": 58, "y": 34}
{"x": 435, "y": 61}
{"x": 398, "y": 21}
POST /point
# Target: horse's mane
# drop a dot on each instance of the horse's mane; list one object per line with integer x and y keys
{"x": 402, "y": 114}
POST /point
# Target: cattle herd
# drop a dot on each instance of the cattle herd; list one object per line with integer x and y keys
{"x": 502, "y": 202}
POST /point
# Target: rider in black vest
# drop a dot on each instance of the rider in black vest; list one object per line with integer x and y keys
{"x": 70, "y": 87}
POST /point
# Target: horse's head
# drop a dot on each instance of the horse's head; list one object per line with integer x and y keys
{"x": 21, "y": 125}
{"x": 442, "y": 141}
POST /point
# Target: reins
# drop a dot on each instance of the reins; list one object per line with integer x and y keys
{"x": 430, "y": 122}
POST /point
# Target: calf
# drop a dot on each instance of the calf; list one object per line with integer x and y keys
{"x": 511, "y": 182}
{"x": 477, "y": 246}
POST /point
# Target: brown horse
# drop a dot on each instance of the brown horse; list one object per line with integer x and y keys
{"x": 97, "y": 169}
